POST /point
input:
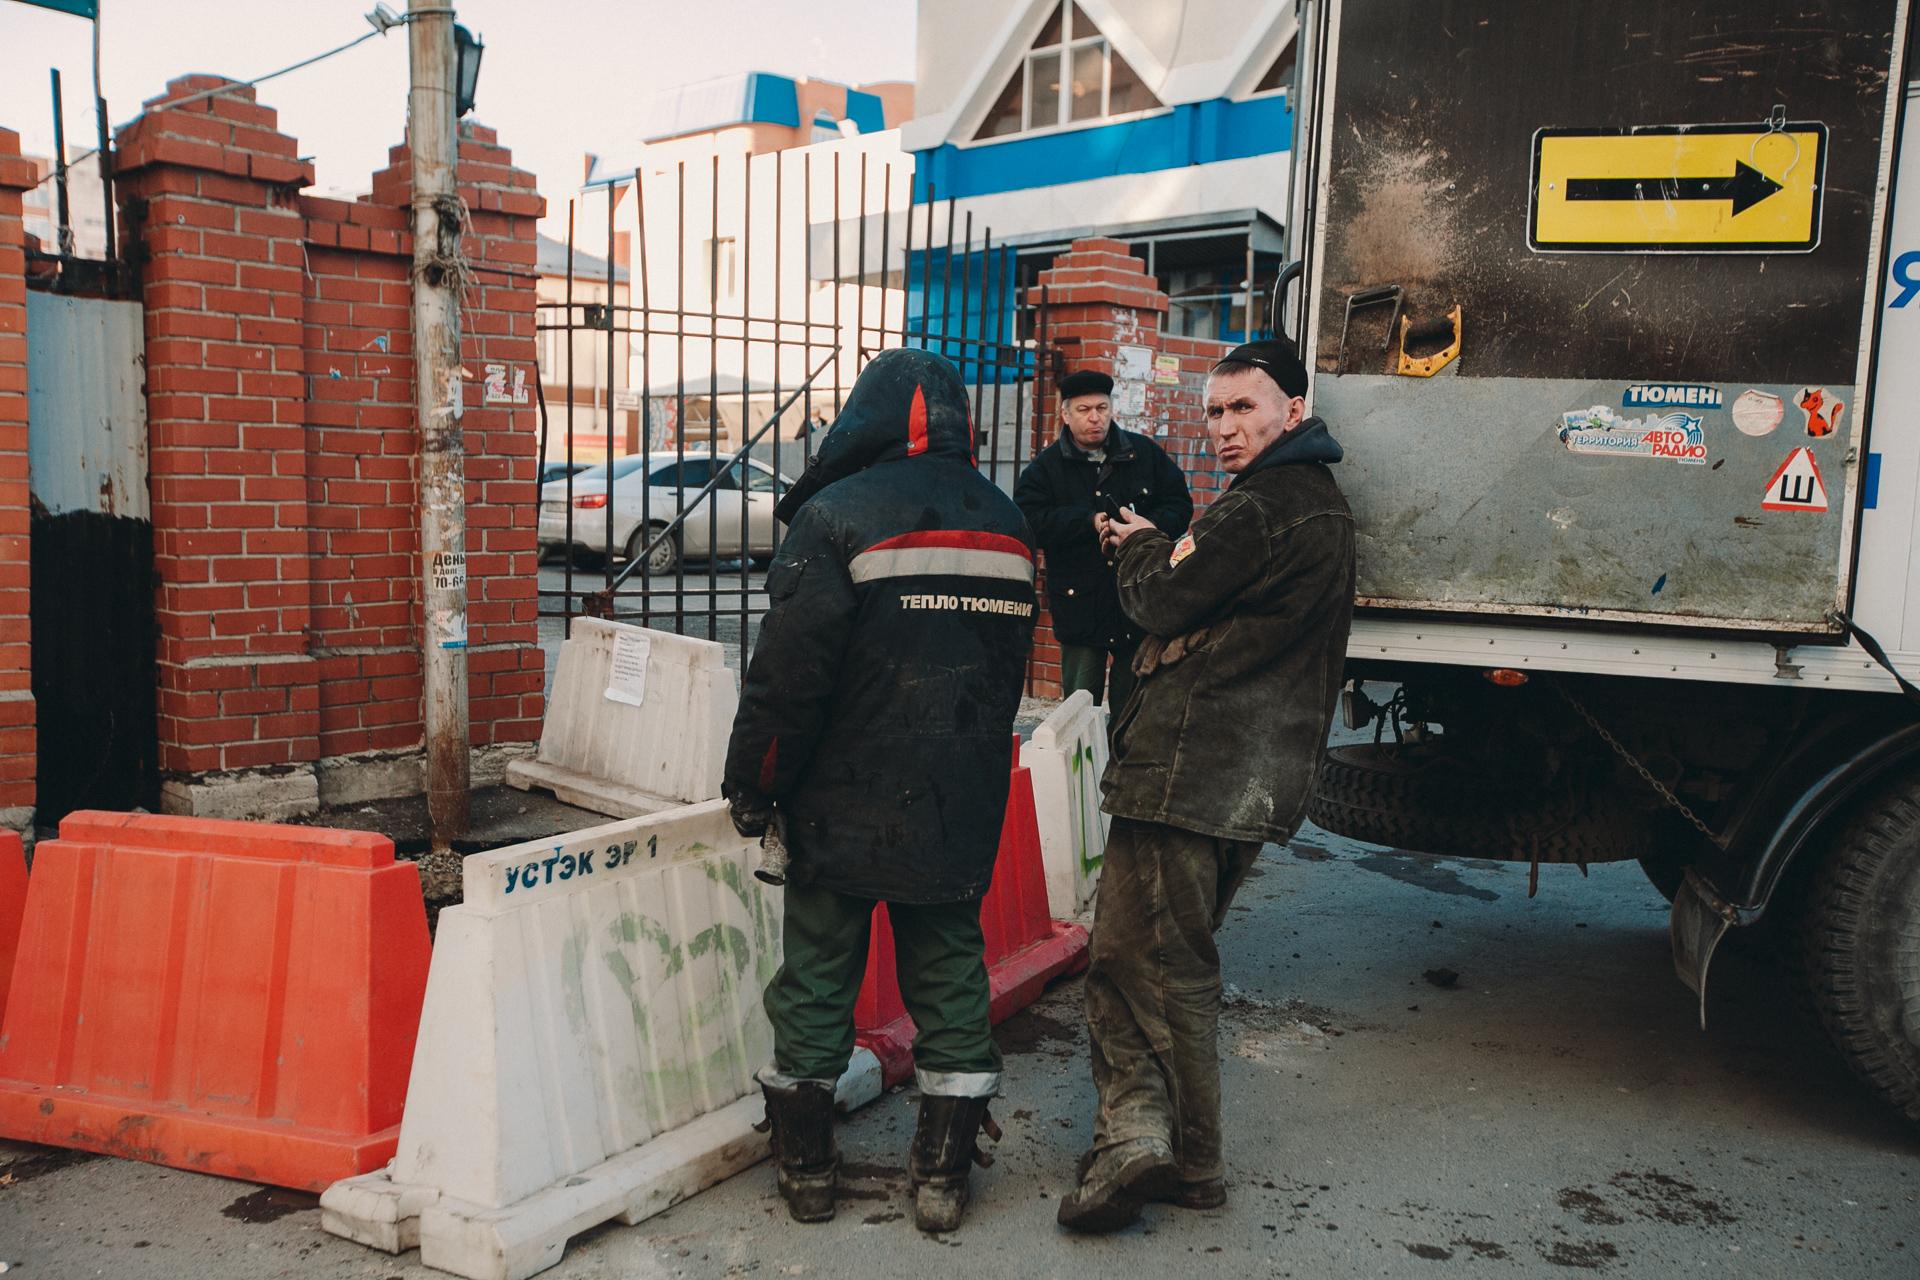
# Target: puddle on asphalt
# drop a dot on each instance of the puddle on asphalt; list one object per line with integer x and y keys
{"x": 270, "y": 1204}
{"x": 1423, "y": 872}
{"x": 28, "y": 1164}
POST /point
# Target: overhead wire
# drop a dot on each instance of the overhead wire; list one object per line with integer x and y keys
{"x": 217, "y": 90}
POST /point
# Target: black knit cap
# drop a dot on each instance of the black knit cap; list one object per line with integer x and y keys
{"x": 1085, "y": 382}
{"x": 1274, "y": 357}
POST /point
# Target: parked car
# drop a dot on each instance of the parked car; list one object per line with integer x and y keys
{"x": 559, "y": 470}
{"x": 734, "y": 521}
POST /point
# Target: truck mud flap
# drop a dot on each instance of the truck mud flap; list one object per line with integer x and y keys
{"x": 1700, "y": 919}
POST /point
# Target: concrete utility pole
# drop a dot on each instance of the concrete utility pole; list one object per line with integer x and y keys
{"x": 439, "y": 271}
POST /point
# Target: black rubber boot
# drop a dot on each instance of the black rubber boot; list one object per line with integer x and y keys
{"x": 806, "y": 1161}
{"x": 944, "y": 1150}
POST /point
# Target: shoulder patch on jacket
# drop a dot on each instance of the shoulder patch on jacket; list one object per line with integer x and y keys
{"x": 1181, "y": 550}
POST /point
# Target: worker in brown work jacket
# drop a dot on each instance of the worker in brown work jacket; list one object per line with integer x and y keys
{"x": 1246, "y": 618}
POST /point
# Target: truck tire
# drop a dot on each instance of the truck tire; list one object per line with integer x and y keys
{"x": 1861, "y": 944}
{"x": 1415, "y": 798}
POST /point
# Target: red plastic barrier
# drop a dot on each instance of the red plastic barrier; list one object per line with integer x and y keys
{"x": 1025, "y": 949}
{"x": 228, "y": 997}
{"x": 13, "y": 904}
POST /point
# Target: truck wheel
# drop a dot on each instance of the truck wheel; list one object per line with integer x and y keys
{"x": 1862, "y": 944}
{"x": 1415, "y": 797}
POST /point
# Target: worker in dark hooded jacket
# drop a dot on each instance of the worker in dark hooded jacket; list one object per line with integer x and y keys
{"x": 875, "y": 731}
{"x": 1216, "y": 753}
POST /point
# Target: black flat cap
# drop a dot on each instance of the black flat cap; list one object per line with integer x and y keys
{"x": 1274, "y": 357}
{"x": 1085, "y": 382}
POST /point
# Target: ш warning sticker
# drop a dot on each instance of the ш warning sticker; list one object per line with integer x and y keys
{"x": 1797, "y": 485}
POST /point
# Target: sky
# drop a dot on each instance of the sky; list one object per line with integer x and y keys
{"x": 559, "y": 77}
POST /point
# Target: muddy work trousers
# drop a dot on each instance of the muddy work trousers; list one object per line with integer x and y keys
{"x": 939, "y": 959}
{"x": 1153, "y": 988}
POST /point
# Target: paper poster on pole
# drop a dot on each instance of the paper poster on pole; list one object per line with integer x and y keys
{"x": 627, "y": 675}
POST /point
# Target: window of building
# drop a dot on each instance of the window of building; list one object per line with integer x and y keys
{"x": 1071, "y": 75}
{"x": 1280, "y": 74}
{"x": 825, "y": 127}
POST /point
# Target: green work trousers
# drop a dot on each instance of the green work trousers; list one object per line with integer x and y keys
{"x": 939, "y": 958}
{"x": 1153, "y": 988}
{"x": 1086, "y": 667}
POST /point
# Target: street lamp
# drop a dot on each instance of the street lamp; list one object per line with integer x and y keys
{"x": 467, "y": 50}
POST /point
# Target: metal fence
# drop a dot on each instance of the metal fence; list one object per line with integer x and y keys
{"x": 728, "y": 307}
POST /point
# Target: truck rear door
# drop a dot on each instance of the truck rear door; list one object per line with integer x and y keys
{"x": 1592, "y": 291}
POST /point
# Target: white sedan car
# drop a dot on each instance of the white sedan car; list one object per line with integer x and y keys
{"x": 735, "y": 521}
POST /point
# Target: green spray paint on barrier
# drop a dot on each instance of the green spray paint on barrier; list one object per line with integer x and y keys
{"x": 1086, "y": 817}
{"x": 642, "y": 957}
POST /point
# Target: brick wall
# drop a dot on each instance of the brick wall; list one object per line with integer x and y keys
{"x": 16, "y": 656}
{"x": 1100, "y": 298}
{"x": 282, "y": 460}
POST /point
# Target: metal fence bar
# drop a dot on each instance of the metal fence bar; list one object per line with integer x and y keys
{"x": 679, "y": 387}
{"x": 714, "y": 418}
{"x": 973, "y": 326}
{"x": 566, "y": 548}
{"x": 611, "y": 337}
{"x": 779, "y": 195}
{"x": 744, "y": 468}
{"x": 646, "y": 380}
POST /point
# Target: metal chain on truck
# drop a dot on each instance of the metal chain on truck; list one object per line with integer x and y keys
{"x": 1646, "y": 775}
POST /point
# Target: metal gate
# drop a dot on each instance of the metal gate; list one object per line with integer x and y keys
{"x": 695, "y": 355}
{"x": 92, "y": 555}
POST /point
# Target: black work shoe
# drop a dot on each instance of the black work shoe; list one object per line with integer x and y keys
{"x": 944, "y": 1150}
{"x": 1182, "y": 1193}
{"x": 807, "y": 1162}
{"x": 1208, "y": 1193}
{"x": 1116, "y": 1183}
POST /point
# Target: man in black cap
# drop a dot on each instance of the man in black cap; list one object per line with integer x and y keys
{"x": 1092, "y": 468}
{"x": 874, "y": 733}
{"x": 1246, "y": 619}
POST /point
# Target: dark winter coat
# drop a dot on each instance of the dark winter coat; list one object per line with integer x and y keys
{"x": 1059, "y": 491}
{"x": 1247, "y": 641}
{"x": 877, "y": 711}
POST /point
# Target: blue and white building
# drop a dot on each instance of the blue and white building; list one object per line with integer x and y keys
{"x": 1164, "y": 125}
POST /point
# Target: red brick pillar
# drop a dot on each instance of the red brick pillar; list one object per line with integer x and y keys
{"x": 17, "y": 750}
{"x": 506, "y": 671}
{"x": 210, "y": 190}
{"x": 1103, "y": 311}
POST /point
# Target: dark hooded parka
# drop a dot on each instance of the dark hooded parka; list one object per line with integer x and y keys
{"x": 877, "y": 711}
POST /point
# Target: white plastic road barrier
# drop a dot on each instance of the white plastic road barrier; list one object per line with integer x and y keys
{"x": 637, "y": 723}
{"x": 587, "y": 1048}
{"x": 1067, "y": 755}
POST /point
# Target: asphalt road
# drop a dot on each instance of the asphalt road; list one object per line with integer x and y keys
{"x": 1553, "y": 1109}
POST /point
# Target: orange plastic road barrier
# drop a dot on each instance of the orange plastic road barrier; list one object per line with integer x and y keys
{"x": 13, "y": 902}
{"x": 228, "y": 997}
{"x": 1025, "y": 948}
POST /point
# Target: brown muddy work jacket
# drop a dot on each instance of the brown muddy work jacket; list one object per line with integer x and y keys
{"x": 1246, "y": 646}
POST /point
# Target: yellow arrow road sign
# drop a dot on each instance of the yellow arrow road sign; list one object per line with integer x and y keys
{"x": 1706, "y": 188}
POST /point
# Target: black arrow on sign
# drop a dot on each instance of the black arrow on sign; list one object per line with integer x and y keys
{"x": 1746, "y": 188}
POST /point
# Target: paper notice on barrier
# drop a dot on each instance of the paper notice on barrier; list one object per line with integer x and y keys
{"x": 627, "y": 674}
